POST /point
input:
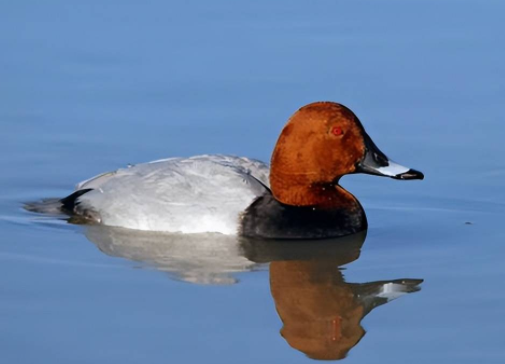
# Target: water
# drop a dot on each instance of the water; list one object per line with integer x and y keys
{"x": 88, "y": 87}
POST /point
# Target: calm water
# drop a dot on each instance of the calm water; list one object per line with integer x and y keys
{"x": 87, "y": 87}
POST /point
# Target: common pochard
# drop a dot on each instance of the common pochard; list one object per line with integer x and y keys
{"x": 298, "y": 197}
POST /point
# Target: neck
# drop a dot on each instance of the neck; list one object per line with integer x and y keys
{"x": 292, "y": 191}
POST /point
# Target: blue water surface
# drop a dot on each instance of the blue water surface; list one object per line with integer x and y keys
{"x": 90, "y": 86}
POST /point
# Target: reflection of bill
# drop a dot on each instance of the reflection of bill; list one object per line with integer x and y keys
{"x": 321, "y": 313}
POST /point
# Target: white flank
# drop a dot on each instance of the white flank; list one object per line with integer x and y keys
{"x": 188, "y": 195}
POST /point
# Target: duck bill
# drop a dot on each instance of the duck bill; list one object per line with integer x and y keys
{"x": 375, "y": 162}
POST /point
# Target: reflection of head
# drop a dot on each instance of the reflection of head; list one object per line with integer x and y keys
{"x": 320, "y": 314}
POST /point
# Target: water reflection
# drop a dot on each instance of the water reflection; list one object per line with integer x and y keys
{"x": 193, "y": 258}
{"x": 320, "y": 311}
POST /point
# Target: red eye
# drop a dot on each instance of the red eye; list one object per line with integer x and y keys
{"x": 337, "y": 130}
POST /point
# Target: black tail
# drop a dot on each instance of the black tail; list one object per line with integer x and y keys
{"x": 56, "y": 206}
{"x": 68, "y": 203}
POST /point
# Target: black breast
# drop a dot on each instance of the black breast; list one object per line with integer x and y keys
{"x": 268, "y": 218}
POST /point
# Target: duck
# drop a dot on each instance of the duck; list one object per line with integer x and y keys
{"x": 297, "y": 196}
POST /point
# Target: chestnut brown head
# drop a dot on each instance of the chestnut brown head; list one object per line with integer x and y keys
{"x": 319, "y": 144}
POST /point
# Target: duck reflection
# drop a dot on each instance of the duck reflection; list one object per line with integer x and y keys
{"x": 321, "y": 313}
{"x": 192, "y": 258}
